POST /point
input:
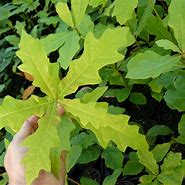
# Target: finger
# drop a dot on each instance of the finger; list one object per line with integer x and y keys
{"x": 60, "y": 109}
{"x": 29, "y": 126}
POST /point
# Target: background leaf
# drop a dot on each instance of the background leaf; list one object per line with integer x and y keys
{"x": 176, "y": 21}
{"x": 151, "y": 64}
{"x": 123, "y": 10}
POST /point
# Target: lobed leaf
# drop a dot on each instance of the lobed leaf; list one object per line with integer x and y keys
{"x": 97, "y": 53}
{"x": 66, "y": 42}
{"x": 108, "y": 127}
{"x": 46, "y": 137}
{"x": 36, "y": 63}
{"x": 21, "y": 110}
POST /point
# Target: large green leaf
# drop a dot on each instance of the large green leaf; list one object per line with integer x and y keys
{"x": 46, "y": 137}
{"x": 124, "y": 9}
{"x": 36, "y": 63}
{"x": 108, "y": 127}
{"x": 151, "y": 64}
{"x": 97, "y": 53}
{"x": 176, "y": 21}
{"x": 66, "y": 42}
{"x": 12, "y": 108}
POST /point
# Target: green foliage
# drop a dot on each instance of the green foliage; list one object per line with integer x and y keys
{"x": 151, "y": 64}
{"x": 104, "y": 61}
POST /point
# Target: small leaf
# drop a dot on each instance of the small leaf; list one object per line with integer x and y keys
{"x": 64, "y": 13}
{"x": 166, "y": 44}
{"x": 94, "y": 95}
{"x": 111, "y": 179}
{"x": 157, "y": 130}
{"x": 171, "y": 161}
{"x": 78, "y": 10}
{"x": 181, "y": 129}
{"x": 160, "y": 151}
{"x": 150, "y": 64}
{"x": 115, "y": 110}
{"x": 172, "y": 171}
{"x": 90, "y": 154}
{"x": 120, "y": 94}
{"x": 88, "y": 181}
{"x": 175, "y": 99}
{"x": 138, "y": 98}
{"x": 84, "y": 140}
{"x": 123, "y": 10}
{"x": 113, "y": 157}
{"x": 132, "y": 168}
{"x": 2, "y": 86}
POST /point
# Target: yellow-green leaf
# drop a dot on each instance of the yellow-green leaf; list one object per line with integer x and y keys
{"x": 46, "y": 137}
{"x": 123, "y": 10}
{"x": 36, "y": 63}
{"x": 64, "y": 13}
{"x": 97, "y": 53}
{"x": 21, "y": 110}
{"x": 108, "y": 127}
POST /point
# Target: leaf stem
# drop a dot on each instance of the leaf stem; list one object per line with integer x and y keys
{"x": 135, "y": 37}
{"x": 152, "y": 5}
{"x": 73, "y": 181}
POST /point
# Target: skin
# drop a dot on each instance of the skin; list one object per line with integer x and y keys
{"x": 16, "y": 152}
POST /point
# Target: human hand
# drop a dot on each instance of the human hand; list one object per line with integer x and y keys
{"x": 16, "y": 152}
